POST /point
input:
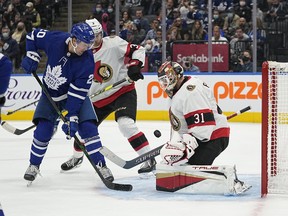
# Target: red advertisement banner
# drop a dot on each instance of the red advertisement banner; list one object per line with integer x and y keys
{"x": 199, "y": 54}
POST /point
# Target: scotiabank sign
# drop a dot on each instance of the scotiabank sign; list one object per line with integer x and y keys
{"x": 199, "y": 54}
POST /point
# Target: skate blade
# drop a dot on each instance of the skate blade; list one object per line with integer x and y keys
{"x": 75, "y": 167}
{"x": 29, "y": 183}
{"x": 147, "y": 175}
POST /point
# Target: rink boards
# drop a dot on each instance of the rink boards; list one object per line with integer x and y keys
{"x": 233, "y": 92}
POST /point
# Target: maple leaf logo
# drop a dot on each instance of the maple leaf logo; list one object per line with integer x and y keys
{"x": 53, "y": 77}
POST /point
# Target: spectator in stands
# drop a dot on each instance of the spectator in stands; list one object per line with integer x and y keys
{"x": 107, "y": 25}
{"x": 111, "y": 13}
{"x": 222, "y": 5}
{"x": 126, "y": 16}
{"x": 244, "y": 25}
{"x": 154, "y": 54}
{"x": 198, "y": 32}
{"x": 138, "y": 34}
{"x": 32, "y": 17}
{"x": 243, "y": 10}
{"x": 20, "y": 36}
{"x": 17, "y": 19}
{"x": 169, "y": 11}
{"x": 239, "y": 43}
{"x": 42, "y": 10}
{"x": 126, "y": 32}
{"x": 10, "y": 47}
{"x": 217, "y": 38}
{"x": 151, "y": 34}
{"x": 181, "y": 26}
{"x": 231, "y": 22}
{"x": 217, "y": 19}
{"x": 245, "y": 62}
{"x": 277, "y": 10}
{"x": 98, "y": 11}
{"x": 20, "y": 6}
{"x": 188, "y": 65}
{"x": 8, "y": 18}
{"x": 151, "y": 7}
{"x": 144, "y": 24}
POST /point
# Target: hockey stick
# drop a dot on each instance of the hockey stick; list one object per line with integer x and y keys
{"x": 108, "y": 184}
{"x": 17, "y": 131}
{"x": 148, "y": 155}
{"x": 239, "y": 112}
{"x": 11, "y": 112}
{"x": 14, "y": 130}
{"x": 111, "y": 86}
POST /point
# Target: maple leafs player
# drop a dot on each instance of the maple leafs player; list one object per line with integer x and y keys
{"x": 5, "y": 74}
{"x": 201, "y": 131}
{"x": 109, "y": 55}
{"x": 67, "y": 82}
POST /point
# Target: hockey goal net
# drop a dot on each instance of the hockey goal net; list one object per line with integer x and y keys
{"x": 274, "y": 128}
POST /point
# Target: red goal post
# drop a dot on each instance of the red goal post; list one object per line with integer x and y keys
{"x": 274, "y": 173}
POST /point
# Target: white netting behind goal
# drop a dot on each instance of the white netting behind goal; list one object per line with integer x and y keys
{"x": 277, "y": 152}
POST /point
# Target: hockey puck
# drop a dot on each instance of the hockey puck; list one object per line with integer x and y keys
{"x": 157, "y": 133}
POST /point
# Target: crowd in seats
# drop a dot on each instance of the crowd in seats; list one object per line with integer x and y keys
{"x": 17, "y": 17}
{"x": 187, "y": 21}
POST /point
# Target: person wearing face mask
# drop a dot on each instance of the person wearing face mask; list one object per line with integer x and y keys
{"x": 20, "y": 36}
{"x": 111, "y": 13}
{"x": 107, "y": 25}
{"x": 10, "y": 46}
{"x": 217, "y": 20}
{"x": 245, "y": 64}
{"x": 98, "y": 11}
{"x": 276, "y": 10}
{"x": 243, "y": 10}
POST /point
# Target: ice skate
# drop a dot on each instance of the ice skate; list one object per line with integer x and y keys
{"x": 72, "y": 163}
{"x": 31, "y": 174}
{"x": 106, "y": 172}
{"x": 147, "y": 167}
{"x": 240, "y": 187}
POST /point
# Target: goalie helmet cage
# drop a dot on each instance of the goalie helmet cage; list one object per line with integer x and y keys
{"x": 274, "y": 173}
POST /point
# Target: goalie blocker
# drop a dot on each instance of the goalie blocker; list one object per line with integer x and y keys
{"x": 199, "y": 179}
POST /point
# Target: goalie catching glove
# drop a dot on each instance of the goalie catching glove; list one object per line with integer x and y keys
{"x": 179, "y": 152}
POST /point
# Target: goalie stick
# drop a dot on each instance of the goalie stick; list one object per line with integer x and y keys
{"x": 148, "y": 155}
{"x": 11, "y": 112}
{"x": 108, "y": 184}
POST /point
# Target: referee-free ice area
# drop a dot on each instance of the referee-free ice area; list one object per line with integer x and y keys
{"x": 81, "y": 192}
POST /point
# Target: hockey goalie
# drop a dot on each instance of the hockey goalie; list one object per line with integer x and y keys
{"x": 200, "y": 133}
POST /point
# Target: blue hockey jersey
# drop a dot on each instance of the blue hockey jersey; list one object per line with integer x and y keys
{"x": 67, "y": 76}
{"x": 5, "y": 73}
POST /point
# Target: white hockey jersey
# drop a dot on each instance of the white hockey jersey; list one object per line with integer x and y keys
{"x": 110, "y": 67}
{"x": 194, "y": 110}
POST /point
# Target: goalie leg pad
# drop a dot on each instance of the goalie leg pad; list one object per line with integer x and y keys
{"x": 198, "y": 180}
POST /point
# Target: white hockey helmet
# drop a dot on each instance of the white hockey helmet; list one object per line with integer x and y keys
{"x": 95, "y": 25}
{"x": 168, "y": 75}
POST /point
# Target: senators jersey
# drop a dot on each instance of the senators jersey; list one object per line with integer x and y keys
{"x": 194, "y": 110}
{"x": 110, "y": 58}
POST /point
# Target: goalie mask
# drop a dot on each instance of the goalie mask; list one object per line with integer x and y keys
{"x": 168, "y": 75}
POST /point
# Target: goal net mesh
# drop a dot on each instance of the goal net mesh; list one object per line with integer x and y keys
{"x": 277, "y": 131}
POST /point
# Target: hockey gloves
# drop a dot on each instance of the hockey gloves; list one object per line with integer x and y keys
{"x": 70, "y": 127}
{"x": 134, "y": 70}
{"x": 30, "y": 62}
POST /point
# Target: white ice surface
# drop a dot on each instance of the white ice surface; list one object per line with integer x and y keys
{"x": 81, "y": 192}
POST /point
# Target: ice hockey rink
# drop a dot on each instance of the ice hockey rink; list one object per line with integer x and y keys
{"x": 81, "y": 192}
